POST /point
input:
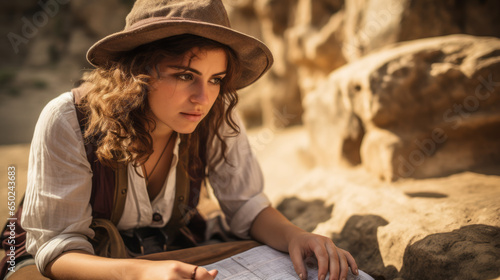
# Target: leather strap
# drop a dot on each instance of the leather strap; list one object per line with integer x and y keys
{"x": 181, "y": 212}
{"x": 121, "y": 188}
{"x": 206, "y": 254}
{"x": 108, "y": 241}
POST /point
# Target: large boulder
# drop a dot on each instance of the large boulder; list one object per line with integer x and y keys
{"x": 471, "y": 252}
{"x": 410, "y": 110}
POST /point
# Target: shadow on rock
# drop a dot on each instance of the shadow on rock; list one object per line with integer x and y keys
{"x": 471, "y": 252}
{"x": 359, "y": 237}
{"x": 425, "y": 195}
{"x": 305, "y": 214}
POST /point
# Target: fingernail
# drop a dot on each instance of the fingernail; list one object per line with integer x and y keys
{"x": 357, "y": 272}
{"x": 343, "y": 278}
{"x": 300, "y": 276}
{"x": 322, "y": 277}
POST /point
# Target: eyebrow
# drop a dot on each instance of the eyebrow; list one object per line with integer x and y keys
{"x": 186, "y": 68}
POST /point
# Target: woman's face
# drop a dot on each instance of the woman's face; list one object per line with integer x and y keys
{"x": 186, "y": 89}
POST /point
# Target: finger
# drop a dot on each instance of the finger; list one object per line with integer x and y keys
{"x": 352, "y": 262}
{"x": 201, "y": 273}
{"x": 334, "y": 261}
{"x": 343, "y": 264}
{"x": 322, "y": 255}
{"x": 298, "y": 263}
{"x": 213, "y": 272}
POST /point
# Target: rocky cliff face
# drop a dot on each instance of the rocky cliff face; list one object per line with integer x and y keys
{"x": 420, "y": 109}
{"x": 310, "y": 39}
{"x": 414, "y": 110}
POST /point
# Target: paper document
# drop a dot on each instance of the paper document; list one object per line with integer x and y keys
{"x": 264, "y": 262}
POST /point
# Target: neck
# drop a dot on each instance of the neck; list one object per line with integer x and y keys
{"x": 160, "y": 133}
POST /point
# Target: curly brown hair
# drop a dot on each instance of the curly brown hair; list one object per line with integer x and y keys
{"x": 116, "y": 105}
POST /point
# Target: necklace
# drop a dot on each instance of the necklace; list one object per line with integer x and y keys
{"x": 161, "y": 155}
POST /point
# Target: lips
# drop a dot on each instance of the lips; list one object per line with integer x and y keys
{"x": 192, "y": 116}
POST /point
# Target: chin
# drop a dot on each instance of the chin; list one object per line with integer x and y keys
{"x": 186, "y": 130}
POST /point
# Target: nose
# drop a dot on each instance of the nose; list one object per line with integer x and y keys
{"x": 200, "y": 94}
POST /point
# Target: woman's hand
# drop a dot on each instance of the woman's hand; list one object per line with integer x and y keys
{"x": 330, "y": 259}
{"x": 170, "y": 270}
{"x": 272, "y": 228}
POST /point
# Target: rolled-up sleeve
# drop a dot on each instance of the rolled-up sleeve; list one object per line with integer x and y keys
{"x": 238, "y": 182}
{"x": 56, "y": 210}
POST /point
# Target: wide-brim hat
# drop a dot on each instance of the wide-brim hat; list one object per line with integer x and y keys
{"x": 151, "y": 20}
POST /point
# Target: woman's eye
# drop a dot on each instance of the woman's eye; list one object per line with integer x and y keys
{"x": 216, "y": 81}
{"x": 185, "y": 77}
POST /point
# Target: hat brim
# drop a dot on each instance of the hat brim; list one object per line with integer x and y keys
{"x": 254, "y": 55}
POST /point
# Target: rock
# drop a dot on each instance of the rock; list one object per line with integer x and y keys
{"x": 471, "y": 252}
{"x": 41, "y": 57}
{"x": 370, "y": 24}
{"x": 305, "y": 214}
{"x": 387, "y": 226}
{"x": 414, "y": 105}
{"x": 316, "y": 51}
{"x": 277, "y": 92}
{"x": 427, "y": 19}
{"x": 309, "y": 39}
{"x": 18, "y": 6}
{"x": 359, "y": 236}
{"x": 315, "y": 41}
{"x": 96, "y": 15}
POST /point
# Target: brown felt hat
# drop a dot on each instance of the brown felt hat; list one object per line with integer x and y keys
{"x": 151, "y": 20}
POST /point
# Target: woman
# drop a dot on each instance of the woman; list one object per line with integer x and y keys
{"x": 163, "y": 87}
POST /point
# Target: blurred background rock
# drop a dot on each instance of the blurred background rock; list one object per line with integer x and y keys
{"x": 385, "y": 111}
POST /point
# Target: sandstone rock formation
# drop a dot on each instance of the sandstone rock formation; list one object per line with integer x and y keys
{"x": 312, "y": 38}
{"x": 419, "y": 109}
{"x": 370, "y": 24}
{"x": 472, "y": 252}
{"x": 412, "y": 229}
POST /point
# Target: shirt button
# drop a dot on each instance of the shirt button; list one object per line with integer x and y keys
{"x": 181, "y": 198}
{"x": 157, "y": 217}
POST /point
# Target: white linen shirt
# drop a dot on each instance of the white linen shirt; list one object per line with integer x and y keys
{"x": 57, "y": 213}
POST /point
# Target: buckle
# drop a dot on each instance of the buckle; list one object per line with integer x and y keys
{"x": 150, "y": 240}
